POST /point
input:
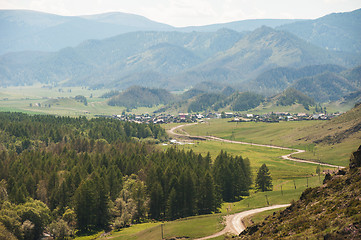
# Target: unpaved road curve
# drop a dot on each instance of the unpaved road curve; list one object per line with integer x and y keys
{"x": 286, "y": 157}
{"x": 234, "y": 224}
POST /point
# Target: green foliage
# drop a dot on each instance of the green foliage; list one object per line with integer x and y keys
{"x": 136, "y": 96}
{"x": 291, "y": 96}
{"x": 6, "y": 234}
{"x": 110, "y": 94}
{"x": 25, "y": 221}
{"x": 325, "y": 87}
{"x": 203, "y": 102}
{"x": 264, "y": 179}
{"x": 60, "y": 229}
{"x": 90, "y": 173}
{"x": 245, "y": 101}
{"x": 239, "y": 101}
{"x": 232, "y": 175}
{"x": 81, "y": 99}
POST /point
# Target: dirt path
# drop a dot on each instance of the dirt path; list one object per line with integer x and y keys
{"x": 234, "y": 224}
{"x": 286, "y": 157}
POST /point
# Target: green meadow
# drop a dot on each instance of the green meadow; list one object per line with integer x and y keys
{"x": 293, "y": 134}
{"x": 279, "y": 168}
{"x": 36, "y": 99}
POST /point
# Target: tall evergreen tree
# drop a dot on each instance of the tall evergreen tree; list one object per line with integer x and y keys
{"x": 85, "y": 204}
{"x": 264, "y": 179}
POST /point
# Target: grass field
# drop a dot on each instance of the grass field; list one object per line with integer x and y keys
{"x": 298, "y": 134}
{"x": 26, "y": 99}
{"x": 279, "y": 168}
{"x": 192, "y": 227}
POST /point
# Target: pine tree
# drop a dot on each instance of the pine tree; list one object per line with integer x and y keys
{"x": 156, "y": 200}
{"x": 85, "y": 203}
{"x": 264, "y": 179}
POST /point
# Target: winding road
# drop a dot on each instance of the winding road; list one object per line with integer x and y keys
{"x": 286, "y": 157}
{"x": 234, "y": 224}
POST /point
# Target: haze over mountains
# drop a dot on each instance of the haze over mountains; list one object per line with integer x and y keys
{"x": 23, "y": 30}
{"x": 244, "y": 54}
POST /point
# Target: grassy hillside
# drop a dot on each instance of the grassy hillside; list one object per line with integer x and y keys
{"x": 326, "y": 141}
{"x": 331, "y": 211}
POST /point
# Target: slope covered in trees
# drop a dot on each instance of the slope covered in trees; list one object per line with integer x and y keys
{"x": 238, "y": 101}
{"x": 291, "y": 96}
{"x": 74, "y": 173}
{"x": 141, "y": 97}
{"x": 331, "y": 211}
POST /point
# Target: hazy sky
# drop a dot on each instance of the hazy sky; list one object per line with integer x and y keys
{"x": 191, "y": 12}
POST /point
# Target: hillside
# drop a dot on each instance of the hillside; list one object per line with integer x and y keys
{"x": 278, "y": 79}
{"x": 137, "y": 96}
{"x": 324, "y": 87}
{"x": 337, "y": 31}
{"x": 196, "y": 100}
{"x": 259, "y": 51}
{"x": 331, "y": 211}
{"x": 117, "y": 61}
{"x": 291, "y": 96}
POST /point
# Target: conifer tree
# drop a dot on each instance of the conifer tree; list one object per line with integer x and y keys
{"x": 264, "y": 179}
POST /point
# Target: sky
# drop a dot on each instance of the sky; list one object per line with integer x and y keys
{"x": 181, "y": 13}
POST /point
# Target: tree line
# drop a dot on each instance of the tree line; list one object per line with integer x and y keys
{"x": 62, "y": 174}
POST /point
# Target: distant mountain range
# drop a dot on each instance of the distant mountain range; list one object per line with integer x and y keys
{"x": 25, "y": 30}
{"x": 151, "y": 54}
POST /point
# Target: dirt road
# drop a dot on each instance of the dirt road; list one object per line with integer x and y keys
{"x": 286, "y": 157}
{"x": 234, "y": 224}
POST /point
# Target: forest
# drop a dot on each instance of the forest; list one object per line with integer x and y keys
{"x": 66, "y": 176}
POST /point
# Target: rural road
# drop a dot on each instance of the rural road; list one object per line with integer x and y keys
{"x": 234, "y": 224}
{"x": 286, "y": 157}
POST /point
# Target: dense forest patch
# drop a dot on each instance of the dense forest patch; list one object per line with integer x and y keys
{"x": 77, "y": 174}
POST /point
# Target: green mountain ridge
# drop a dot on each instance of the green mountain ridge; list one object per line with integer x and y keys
{"x": 179, "y": 60}
{"x": 337, "y": 31}
{"x": 259, "y": 51}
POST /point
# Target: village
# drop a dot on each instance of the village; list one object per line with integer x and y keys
{"x": 233, "y": 117}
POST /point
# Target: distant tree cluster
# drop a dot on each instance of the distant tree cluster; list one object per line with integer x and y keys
{"x": 238, "y": 101}
{"x": 81, "y": 99}
{"x": 110, "y": 94}
{"x": 60, "y": 174}
{"x": 136, "y": 96}
{"x": 204, "y": 102}
{"x": 292, "y": 96}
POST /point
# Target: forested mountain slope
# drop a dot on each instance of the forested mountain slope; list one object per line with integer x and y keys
{"x": 336, "y": 31}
